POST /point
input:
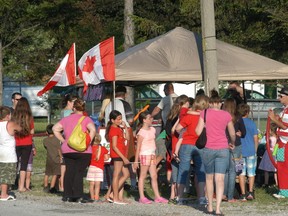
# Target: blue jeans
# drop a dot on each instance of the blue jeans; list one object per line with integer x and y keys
{"x": 186, "y": 154}
{"x": 230, "y": 175}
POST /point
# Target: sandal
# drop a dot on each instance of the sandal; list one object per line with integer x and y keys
{"x": 9, "y": 198}
{"x": 176, "y": 158}
{"x": 144, "y": 200}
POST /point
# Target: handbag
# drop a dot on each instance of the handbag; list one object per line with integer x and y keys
{"x": 202, "y": 139}
{"x": 79, "y": 140}
{"x": 239, "y": 164}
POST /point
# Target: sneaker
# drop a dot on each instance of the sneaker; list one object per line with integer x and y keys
{"x": 172, "y": 201}
{"x": 242, "y": 198}
{"x": 145, "y": 201}
{"x": 250, "y": 196}
{"x": 203, "y": 201}
{"x": 46, "y": 189}
{"x": 161, "y": 200}
{"x": 278, "y": 196}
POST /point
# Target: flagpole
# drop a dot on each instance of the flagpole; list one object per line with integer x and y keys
{"x": 75, "y": 59}
{"x": 113, "y": 93}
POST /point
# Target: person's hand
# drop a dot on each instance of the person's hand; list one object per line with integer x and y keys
{"x": 238, "y": 133}
{"x": 135, "y": 166}
{"x": 126, "y": 161}
{"x": 231, "y": 146}
{"x": 271, "y": 114}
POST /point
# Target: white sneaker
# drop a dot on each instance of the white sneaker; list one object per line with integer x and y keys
{"x": 278, "y": 196}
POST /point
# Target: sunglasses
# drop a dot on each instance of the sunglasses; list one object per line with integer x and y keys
{"x": 281, "y": 96}
{"x": 17, "y": 99}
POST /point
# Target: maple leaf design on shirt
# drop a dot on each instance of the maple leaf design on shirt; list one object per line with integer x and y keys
{"x": 89, "y": 64}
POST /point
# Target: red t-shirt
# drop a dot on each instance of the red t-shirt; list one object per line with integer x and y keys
{"x": 100, "y": 162}
{"x": 117, "y": 131}
{"x": 27, "y": 140}
{"x": 189, "y": 122}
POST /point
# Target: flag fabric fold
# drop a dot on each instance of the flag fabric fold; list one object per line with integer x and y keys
{"x": 65, "y": 74}
{"x": 98, "y": 64}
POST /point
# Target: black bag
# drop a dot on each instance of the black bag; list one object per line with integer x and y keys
{"x": 202, "y": 139}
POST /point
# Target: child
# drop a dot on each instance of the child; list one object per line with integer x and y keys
{"x": 249, "y": 146}
{"x": 184, "y": 104}
{"x": 8, "y": 158}
{"x": 266, "y": 163}
{"x": 146, "y": 148}
{"x": 53, "y": 160}
{"x": 95, "y": 172}
{"x": 117, "y": 134}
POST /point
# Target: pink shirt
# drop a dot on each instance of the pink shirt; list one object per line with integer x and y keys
{"x": 216, "y": 123}
{"x": 148, "y": 146}
{"x": 69, "y": 124}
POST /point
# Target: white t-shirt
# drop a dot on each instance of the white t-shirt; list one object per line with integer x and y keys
{"x": 7, "y": 145}
{"x": 165, "y": 105}
{"x": 118, "y": 106}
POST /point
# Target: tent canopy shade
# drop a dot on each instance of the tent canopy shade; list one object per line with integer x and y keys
{"x": 177, "y": 57}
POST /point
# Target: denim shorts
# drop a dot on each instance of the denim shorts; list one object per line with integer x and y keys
{"x": 215, "y": 161}
{"x": 249, "y": 166}
{"x": 186, "y": 154}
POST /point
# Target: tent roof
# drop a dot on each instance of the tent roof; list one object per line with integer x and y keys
{"x": 177, "y": 56}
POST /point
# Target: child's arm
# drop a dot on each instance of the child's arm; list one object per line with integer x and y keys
{"x": 117, "y": 151}
{"x": 256, "y": 141}
{"x": 139, "y": 143}
{"x": 106, "y": 157}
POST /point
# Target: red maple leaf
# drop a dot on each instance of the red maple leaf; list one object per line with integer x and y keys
{"x": 89, "y": 64}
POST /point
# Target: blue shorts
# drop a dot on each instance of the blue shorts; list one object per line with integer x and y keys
{"x": 249, "y": 166}
{"x": 215, "y": 161}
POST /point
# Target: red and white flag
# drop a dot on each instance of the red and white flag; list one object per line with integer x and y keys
{"x": 65, "y": 74}
{"x": 98, "y": 64}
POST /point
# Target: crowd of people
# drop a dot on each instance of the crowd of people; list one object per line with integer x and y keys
{"x": 232, "y": 137}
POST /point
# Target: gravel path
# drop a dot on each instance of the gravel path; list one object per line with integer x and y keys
{"x": 30, "y": 205}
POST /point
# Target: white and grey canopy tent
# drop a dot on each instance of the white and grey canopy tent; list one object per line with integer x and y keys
{"x": 177, "y": 56}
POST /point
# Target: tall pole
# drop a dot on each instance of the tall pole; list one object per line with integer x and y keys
{"x": 209, "y": 45}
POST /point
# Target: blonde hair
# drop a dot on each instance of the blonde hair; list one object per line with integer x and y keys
{"x": 97, "y": 139}
{"x": 201, "y": 102}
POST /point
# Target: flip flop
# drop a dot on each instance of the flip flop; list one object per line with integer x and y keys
{"x": 9, "y": 198}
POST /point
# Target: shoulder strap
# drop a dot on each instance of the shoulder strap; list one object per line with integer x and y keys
{"x": 81, "y": 119}
{"x": 205, "y": 115}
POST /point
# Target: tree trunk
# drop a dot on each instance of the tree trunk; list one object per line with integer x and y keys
{"x": 128, "y": 32}
{"x": 1, "y": 74}
{"x": 128, "y": 24}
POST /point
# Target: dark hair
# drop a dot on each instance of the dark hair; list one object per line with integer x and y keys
{"x": 14, "y": 94}
{"x": 243, "y": 109}
{"x": 273, "y": 128}
{"x": 68, "y": 97}
{"x": 4, "y": 111}
{"x": 214, "y": 98}
{"x": 120, "y": 89}
{"x": 49, "y": 129}
{"x": 22, "y": 115}
{"x": 112, "y": 116}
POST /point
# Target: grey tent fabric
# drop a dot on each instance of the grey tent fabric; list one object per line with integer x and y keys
{"x": 177, "y": 56}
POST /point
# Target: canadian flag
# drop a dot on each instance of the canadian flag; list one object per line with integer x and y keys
{"x": 65, "y": 74}
{"x": 98, "y": 64}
